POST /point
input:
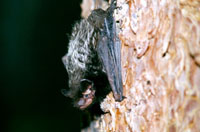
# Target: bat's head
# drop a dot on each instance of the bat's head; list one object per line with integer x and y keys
{"x": 84, "y": 96}
{"x": 81, "y": 89}
{"x": 87, "y": 94}
{"x": 88, "y": 85}
{"x": 82, "y": 65}
{"x": 86, "y": 79}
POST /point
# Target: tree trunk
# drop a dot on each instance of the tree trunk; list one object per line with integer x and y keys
{"x": 160, "y": 67}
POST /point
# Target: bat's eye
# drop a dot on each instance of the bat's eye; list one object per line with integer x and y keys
{"x": 86, "y": 95}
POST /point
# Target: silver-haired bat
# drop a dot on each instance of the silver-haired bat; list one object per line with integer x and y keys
{"x": 93, "y": 61}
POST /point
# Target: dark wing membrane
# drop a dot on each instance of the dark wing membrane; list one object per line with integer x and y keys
{"x": 109, "y": 51}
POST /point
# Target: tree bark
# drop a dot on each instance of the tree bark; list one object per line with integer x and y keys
{"x": 160, "y": 68}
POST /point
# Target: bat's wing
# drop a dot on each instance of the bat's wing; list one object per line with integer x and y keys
{"x": 109, "y": 51}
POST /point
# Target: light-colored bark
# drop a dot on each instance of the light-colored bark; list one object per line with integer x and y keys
{"x": 160, "y": 68}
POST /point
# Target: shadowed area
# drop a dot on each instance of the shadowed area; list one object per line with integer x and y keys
{"x": 33, "y": 41}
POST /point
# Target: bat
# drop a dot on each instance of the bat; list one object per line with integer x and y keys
{"x": 93, "y": 61}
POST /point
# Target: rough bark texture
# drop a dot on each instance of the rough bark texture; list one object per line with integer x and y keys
{"x": 160, "y": 68}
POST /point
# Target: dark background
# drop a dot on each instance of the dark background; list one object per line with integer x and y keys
{"x": 33, "y": 40}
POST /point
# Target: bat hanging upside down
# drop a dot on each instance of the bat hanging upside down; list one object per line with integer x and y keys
{"x": 93, "y": 61}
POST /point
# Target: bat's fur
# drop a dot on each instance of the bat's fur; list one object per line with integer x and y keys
{"x": 82, "y": 60}
{"x": 94, "y": 55}
{"x": 94, "y": 47}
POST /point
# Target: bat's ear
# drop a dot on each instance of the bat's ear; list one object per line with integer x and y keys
{"x": 64, "y": 60}
{"x": 66, "y": 93}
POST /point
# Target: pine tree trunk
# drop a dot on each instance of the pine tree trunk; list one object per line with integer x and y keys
{"x": 160, "y": 67}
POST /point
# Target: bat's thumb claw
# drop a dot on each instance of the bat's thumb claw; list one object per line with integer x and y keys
{"x": 118, "y": 97}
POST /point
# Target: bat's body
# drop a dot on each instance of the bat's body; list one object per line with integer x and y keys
{"x": 93, "y": 60}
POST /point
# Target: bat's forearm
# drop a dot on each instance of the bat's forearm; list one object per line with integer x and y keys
{"x": 109, "y": 50}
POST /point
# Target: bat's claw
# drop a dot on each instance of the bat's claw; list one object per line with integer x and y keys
{"x": 118, "y": 97}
